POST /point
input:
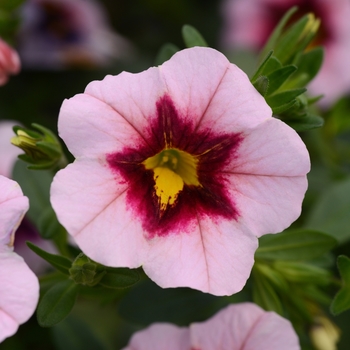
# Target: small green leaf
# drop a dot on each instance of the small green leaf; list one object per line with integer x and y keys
{"x": 271, "y": 65}
{"x": 265, "y": 295}
{"x": 283, "y": 98}
{"x": 261, "y": 67}
{"x": 262, "y": 85}
{"x": 286, "y": 47}
{"x": 305, "y": 122}
{"x": 309, "y": 63}
{"x": 165, "y": 53}
{"x": 330, "y": 213}
{"x": 119, "y": 278}
{"x": 48, "y": 224}
{"x": 279, "y": 77}
{"x": 296, "y": 245}
{"x": 61, "y": 263}
{"x": 192, "y": 37}
{"x": 278, "y": 31}
{"x": 57, "y": 303}
{"x": 147, "y": 303}
{"x": 341, "y": 302}
{"x": 300, "y": 272}
{"x": 36, "y": 186}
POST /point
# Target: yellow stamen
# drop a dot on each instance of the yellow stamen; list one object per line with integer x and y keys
{"x": 172, "y": 170}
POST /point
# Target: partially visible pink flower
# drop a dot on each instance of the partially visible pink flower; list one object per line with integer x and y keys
{"x": 179, "y": 169}
{"x": 9, "y": 62}
{"x": 26, "y": 231}
{"x": 8, "y": 152}
{"x": 58, "y": 34}
{"x": 248, "y": 23}
{"x": 19, "y": 288}
{"x": 237, "y": 327}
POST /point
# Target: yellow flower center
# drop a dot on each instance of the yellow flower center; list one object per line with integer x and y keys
{"x": 172, "y": 169}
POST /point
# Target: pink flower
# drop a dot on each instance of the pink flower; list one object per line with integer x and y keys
{"x": 57, "y": 34}
{"x": 248, "y": 24}
{"x": 8, "y": 152}
{"x": 240, "y": 327}
{"x": 19, "y": 290}
{"x": 26, "y": 231}
{"x": 9, "y": 62}
{"x": 179, "y": 169}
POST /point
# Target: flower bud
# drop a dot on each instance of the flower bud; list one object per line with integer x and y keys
{"x": 324, "y": 334}
{"x": 42, "y": 149}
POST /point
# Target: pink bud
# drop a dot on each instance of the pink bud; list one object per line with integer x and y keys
{"x": 9, "y": 62}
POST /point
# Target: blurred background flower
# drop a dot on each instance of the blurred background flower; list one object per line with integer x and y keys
{"x": 56, "y": 34}
{"x": 248, "y": 23}
{"x": 9, "y": 62}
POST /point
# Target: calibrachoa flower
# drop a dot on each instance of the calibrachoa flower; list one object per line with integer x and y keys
{"x": 19, "y": 290}
{"x": 248, "y": 23}
{"x": 58, "y": 34}
{"x": 179, "y": 169}
{"x": 9, "y": 62}
{"x": 26, "y": 231}
{"x": 240, "y": 327}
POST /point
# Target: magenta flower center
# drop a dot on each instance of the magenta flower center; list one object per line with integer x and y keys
{"x": 176, "y": 173}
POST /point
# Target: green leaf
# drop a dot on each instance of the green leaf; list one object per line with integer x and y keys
{"x": 57, "y": 303}
{"x": 48, "y": 224}
{"x": 61, "y": 263}
{"x": 271, "y": 65}
{"x": 309, "y": 64}
{"x": 261, "y": 67}
{"x": 36, "y": 186}
{"x": 265, "y": 295}
{"x": 283, "y": 98}
{"x": 278, "y": 77}
{"x": 305, "y": 122}
{"x": 73, "y": 333}
{"x": 278, "y": 31}
{"x": 192, "y": 37}
{"x": 341, "y": 302}
{"x": 330, "y": 213}
{"x": 262, "y": 85}
{"x": 147, "y": 303}
{"x": 165, "y": 53}
{"x": 296, "y": 245}
{"x": 10, "y": 5}
{"x": 300, "y": 272}
{"x": 119, "y": 278}
{"x": 286, "y": 47}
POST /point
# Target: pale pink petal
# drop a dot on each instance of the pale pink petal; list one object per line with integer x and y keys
{"x": 217, "y": 257}
{"x": 160, "y": 336}
{"x": 244, "y": 326}
{"x": 13, "y": 206}
{"x": 19, "y": 293}
{"x": 8, "y": 152}
{"x": 229, "y": 102}
{"x": 132, "y": 96}
{"x": 272, "y": 148}
{"x": 83, "y": 113}
{"x": 95, "y": 203}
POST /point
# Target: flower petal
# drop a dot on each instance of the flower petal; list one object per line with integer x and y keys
{"x": 216, "y": 258}
{"x": 94, "y": 211}
{"x": 19, "y": 293}
{"x": 160, "y": 336}
{"x": 8, "y": 152}
{"x": 13, "y": 206}
{"x": 93, "y": 128}
{"x": 217, "y": 99}
{"x": 272, "y": 149}
{"x": 132, "y": 96}
{"x": 244, "y": 326}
